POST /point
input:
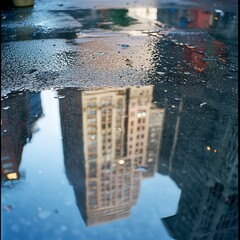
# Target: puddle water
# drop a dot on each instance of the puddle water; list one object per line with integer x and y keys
{"x": 116, "y": 163}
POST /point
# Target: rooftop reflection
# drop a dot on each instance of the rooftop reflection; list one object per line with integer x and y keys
{"x": 108, "y": 135}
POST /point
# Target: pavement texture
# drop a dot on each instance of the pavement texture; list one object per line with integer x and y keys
{"x": 117, "y": 43}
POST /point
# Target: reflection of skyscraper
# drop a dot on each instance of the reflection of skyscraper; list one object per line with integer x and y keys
{"x": 225, "y": 147}
{"x": 107, "y": 181}
{"x": 144, "y": 128}
{"x": 18, "y": 115}
{"x": 205, "y": 167}
{"x": 105, "y": 137}
{"x": 171, "y": 160}
{"x": 208, "y": 209}
{"x": 205, "y": 211}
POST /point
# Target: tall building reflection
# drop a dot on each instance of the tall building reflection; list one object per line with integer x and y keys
{"x": 111, "y": 139}
{"x": 199, "y": 145}
{"x": 18, "y": 116}
{"x": 204, "y": 164}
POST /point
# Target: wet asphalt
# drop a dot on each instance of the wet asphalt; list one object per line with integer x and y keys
{"x": 93, "y": 44}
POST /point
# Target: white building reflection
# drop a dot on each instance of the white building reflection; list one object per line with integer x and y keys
{"x": 119, "y": 131}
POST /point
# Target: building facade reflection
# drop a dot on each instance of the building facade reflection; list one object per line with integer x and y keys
{"x": 199, "y": 145}
{"x": 111, "y": 140}
{"x": 204, "y": 164}
{"x": 18, "y": 117}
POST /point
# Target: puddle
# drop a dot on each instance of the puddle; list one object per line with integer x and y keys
{"x": 116, "y": 172}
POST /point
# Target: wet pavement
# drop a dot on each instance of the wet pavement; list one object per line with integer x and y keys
{"x": 120, "y": 121}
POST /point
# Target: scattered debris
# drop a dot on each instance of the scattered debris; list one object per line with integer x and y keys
{"x": 202, "y": 104}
